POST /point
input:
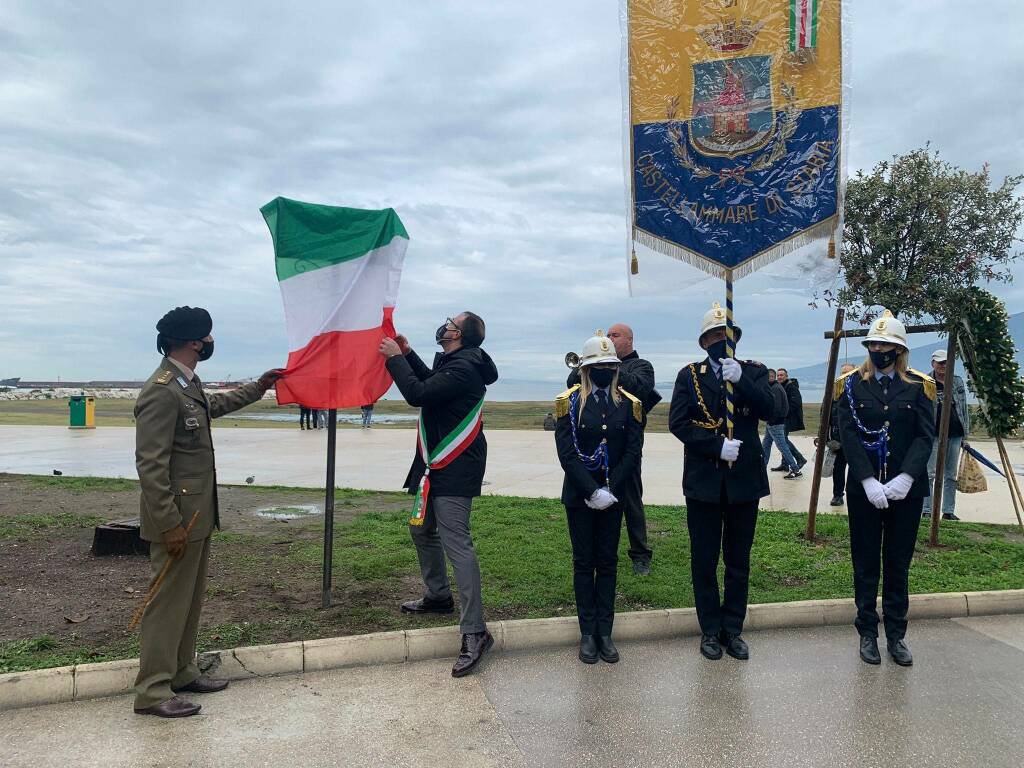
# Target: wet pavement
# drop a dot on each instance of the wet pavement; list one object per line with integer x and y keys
{"x": 520, "y": 463}
{"x": 805, "y": 699}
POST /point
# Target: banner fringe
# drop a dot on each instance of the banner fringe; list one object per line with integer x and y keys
{"x": 821, "y": 231}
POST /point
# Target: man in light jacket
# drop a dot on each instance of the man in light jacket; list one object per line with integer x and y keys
{"x": 959, "y": 427}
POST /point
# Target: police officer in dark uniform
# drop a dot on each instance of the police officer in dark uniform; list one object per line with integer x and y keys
{"x": 723, "y": 480}
{"x": 598, "y": 435}
{"x": 887, "y": 427}
{"x": 637, "y": 376}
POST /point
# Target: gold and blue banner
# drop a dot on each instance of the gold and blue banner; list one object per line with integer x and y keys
{"x": 735, "y": 128}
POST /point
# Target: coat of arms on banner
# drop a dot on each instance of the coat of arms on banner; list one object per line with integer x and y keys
{"x": 732, "y": 105}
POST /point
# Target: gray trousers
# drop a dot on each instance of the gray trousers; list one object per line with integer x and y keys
{"x": 949, "y": 479}
{"x": 445, "y": 531}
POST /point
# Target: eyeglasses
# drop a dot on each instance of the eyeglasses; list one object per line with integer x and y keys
{"x": 455, "y": 325}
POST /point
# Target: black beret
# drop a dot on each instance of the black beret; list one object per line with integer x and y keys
{"x": 187, "y": 323}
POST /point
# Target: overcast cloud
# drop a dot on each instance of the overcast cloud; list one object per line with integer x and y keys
{"x": 139, "y": 141}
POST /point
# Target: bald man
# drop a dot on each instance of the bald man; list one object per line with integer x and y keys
{"x": 636, "y": 376}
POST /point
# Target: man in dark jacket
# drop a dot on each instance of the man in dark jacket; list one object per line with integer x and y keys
{"x": 795, "y": 418}
{"x": 450, "y": 398}
{"x": 723, "y": 480}
{"x": 775, "y": 429}
{"x": 636, "y": 376}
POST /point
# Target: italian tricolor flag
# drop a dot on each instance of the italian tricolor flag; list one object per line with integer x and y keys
{"x": 339, "y": 270}
{"x": 803, "y": 24}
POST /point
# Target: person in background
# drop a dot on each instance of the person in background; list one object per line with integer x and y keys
{"x": 795, "y": 418}
{"x": 959, "y": 427}
{"x": 304, "y": 418}
{"x": 775, "y": 428}
{"x": 887, "y": 426}
{"x": 598, "y": 436}
{"x": 314, "y": 414}
{"x": 367, "y": 415}
{"x": 839, "y": 467}
{"x": 549, "y": 422}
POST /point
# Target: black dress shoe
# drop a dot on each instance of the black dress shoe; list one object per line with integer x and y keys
{"x": 710, "y": 648}
{"x": 588, "y": 649}
{"x": 642, "y": 567}
{"x": 474, "y": 646}
{"x": 203, "y": 684}
{"x": 837, "y": 501}
{"x": 949, "y": 516}
{"x": 780, "y": 468}
{"x": 901, "y": 654}
{"x": 607, "y": 648}
{"x": 869, "y": 650}
{"x": 426, "y": 605}
{"x": 735, "y": 646}
{"x": 173, "y": 707}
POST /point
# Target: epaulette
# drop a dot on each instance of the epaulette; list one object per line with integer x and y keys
{"x": 638, "y": 407}
{"x": 562, "y": 401}
{"x": 837, "y": 388}
{"x": 927, "y": 382}
{"x": 164, "y": 377}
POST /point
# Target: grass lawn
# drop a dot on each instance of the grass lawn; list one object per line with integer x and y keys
{"x": 524, "y": 554}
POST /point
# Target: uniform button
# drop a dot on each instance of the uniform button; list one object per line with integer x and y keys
{"x": 604, "y": 426}
{"x": 184, "y": 490}
{"x": 885, "y": 407}
{"x": 887, "y": 423}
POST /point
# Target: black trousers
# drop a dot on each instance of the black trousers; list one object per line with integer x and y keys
{"x": 728, "y": 528}
{"x": 839, "y": 475}
{"x": 595, "y": 559}
{"x": 636, "y": 521}
{"x": 882, "y": 540}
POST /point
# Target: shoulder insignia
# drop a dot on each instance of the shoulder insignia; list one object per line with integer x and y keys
{"x": 837, "y": 388}
{"x": 164, "y": 377}
{"x": 927, "y": 382}
{"x": 562, "y": 401}
{"x": 638, "y": 407}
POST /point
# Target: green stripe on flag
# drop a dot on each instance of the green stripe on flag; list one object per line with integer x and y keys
{"x": 793, "y": 11}
{"x": 309, "y": 236}
{"x": 814, "y": 23}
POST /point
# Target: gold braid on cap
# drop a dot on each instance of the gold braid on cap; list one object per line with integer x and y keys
{"x": 710, "y": 423}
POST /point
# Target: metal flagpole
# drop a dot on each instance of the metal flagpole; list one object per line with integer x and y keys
{"x": 730, "y": 347}
{"x": 332, "y": 426}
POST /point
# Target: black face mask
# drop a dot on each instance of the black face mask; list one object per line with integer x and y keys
{"x": 883, "y": 360}
{"x": 601, "y": 377}
{"x": 717, "y": 350}
{"x": 207, "y": 351}
{"x": 439, "y": 334}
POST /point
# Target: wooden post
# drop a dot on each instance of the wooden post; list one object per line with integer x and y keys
{"x": 332, "y": 427}
{"x": 940, "y": 457}
{"x": 826, "y": 417}
{"x": 1011, "y": 479}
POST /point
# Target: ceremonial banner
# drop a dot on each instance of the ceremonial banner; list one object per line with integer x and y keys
{"x": 735, "y": 128}
{"x": 339, "y": 270}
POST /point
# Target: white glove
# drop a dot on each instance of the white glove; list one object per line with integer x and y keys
{"x": 731, "y": 369}
{"x": 898, "y": 488}
{"x": 602, "y": 498}
{"x": 731, "y": 449}
{"x": 875, "y": 492}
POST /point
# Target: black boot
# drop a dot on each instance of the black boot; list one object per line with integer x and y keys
{"x": 474, "y": 646}
{"x": 869, "y": 650}
{"x": 607, "y": 648}
{"x": 710, "y": 648}
{"x": 901, "y": 653}
{"x": 588, "y": 649}
{"x": 734, "y": 645}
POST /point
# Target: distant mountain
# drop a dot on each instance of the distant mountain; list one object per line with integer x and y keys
{"x": 812, "y": 377}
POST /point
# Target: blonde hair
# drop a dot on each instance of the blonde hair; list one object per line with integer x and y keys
{"x": 586, "y": 387}
{"x": 867, "y": 368}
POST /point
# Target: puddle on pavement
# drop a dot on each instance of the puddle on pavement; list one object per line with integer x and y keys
{"x": 290, "y": 512}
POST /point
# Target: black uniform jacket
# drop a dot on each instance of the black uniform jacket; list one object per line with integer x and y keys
{"x": 620, "y": 425}
{"x": 636, "y": 376}
{"x": 908, "y": 409}
{"x": 704, "y": 473}
{"x": 446, "y": 394}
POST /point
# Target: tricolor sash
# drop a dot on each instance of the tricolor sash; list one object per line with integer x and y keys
{"x": 444, "y": 453}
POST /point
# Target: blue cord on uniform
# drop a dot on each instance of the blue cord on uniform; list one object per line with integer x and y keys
{"x": 880, "y": 445}
{"x": 599, "y": 458}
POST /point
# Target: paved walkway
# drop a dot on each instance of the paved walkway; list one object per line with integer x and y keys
{"x": 804, "y": 700}
{"x": 520, "y": 462}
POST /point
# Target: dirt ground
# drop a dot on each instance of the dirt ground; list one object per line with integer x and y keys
{"x": 51, "y": 584}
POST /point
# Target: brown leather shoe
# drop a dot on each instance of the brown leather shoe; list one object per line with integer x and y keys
{"x": 203, "y": 684}
{"x": 175, "y": 707}
{"x": 474, "y": 646}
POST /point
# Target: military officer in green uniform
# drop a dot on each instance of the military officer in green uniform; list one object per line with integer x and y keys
{"x": 174, "y": 458}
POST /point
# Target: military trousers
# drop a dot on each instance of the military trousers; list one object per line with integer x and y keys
{"x": 882, "y": 546}
{"x": 729, "y": 529}
{"x": 167, "y": 649}
{"x": 445, "y": 532}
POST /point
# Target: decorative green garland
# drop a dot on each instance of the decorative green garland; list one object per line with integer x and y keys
{"x": 994, "y": 374}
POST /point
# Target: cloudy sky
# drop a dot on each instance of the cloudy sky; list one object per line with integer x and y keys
{"x": 138, "y": 141}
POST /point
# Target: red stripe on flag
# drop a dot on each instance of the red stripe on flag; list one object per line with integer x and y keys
{"x": 804, "y": 16}
{"x": 341, "y": 369}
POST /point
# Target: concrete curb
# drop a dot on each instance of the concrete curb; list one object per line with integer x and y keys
{"x": 89, "y": 681}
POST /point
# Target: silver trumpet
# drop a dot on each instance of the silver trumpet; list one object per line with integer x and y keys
{"x": 572, "y": 360}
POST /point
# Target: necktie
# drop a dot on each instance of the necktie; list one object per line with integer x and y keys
{"x": 886, "y": 381}
{"x": 602, "y": 400}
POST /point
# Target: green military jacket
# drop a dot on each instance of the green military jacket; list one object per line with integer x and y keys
{"x": 174, "y": 450}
